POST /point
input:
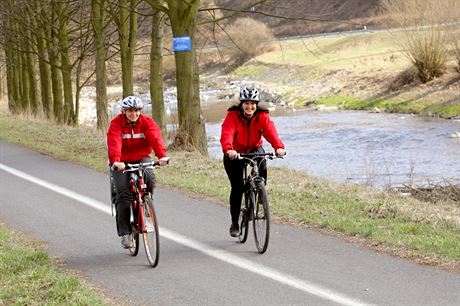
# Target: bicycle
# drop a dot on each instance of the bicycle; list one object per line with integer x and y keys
{"x": 255, "y": 206}
{"x": 142, "y": 212}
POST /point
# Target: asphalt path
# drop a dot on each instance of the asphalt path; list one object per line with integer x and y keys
{"x": 67, "y": 206}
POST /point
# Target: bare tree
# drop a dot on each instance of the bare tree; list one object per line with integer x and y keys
{"x": 125, "y": 17}
{"x": 44, "y": 68}
{"x": 183, "y": 16}
{"x": 156, "y": 68}
{"x": 98, "y": 11}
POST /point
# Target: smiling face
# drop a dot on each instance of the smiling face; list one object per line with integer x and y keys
{"x": 132, "y": 114}
{"x": 249, "y": 108}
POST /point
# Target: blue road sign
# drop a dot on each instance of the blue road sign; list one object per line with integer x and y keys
{"x": 182, "y": 43}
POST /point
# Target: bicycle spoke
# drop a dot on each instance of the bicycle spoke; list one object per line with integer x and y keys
{"x": 134, "y": 249}
{"x": 244, "y": 220}
{"x": 150, "y": 234}
{"x": 261, "y": 221}
{"x": 135, "y": 246}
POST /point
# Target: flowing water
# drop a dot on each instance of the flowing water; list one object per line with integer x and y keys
{"x": 381, "y": 150}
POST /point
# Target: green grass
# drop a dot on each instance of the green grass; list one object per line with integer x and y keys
{"x": 28, "y": 277}
{"x": 406, "y": 106}
{"x": 423, "y": 230}
{"x": 449, "y": 110}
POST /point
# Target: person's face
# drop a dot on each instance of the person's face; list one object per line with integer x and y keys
{"x": 132, "y": 114}
{"x": 249, "y": 108}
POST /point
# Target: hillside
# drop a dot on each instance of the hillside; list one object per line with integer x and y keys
{"x": 302, "y": 17}
{"x": 367, "y": 70}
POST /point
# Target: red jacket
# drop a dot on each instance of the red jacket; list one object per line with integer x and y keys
{"x": 128, "y": 142}
{"x": 244, "y": 135}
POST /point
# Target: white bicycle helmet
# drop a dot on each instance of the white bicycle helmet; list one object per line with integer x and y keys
{"x": 132, "y": 102}
{"x": 249, "y": 94}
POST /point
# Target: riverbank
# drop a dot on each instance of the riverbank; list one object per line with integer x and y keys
{"x": 399, "y": 225}
{"x": 366, "y": 71}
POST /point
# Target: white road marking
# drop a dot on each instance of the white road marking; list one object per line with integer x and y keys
{"x": 224, "y": 256}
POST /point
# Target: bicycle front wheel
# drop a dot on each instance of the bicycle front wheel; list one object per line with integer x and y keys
{"x": 134, "y": 249}
{"x": 261, "y": 221}
{"x": 150, "y": 232}
{"x": 244, "y": 218}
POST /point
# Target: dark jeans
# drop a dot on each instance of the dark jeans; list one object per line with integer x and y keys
{"x": 234, "y": 169}
{"x": 123, "y": 196}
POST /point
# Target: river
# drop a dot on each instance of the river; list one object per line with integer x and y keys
{"x": 378, "y": 149}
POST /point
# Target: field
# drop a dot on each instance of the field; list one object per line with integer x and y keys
{"x": 363, "y": 70}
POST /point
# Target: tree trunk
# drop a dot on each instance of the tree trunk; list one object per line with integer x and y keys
{"x": 11, "y": 78}
{"x": 191, "y": 122}
{"x": 66, "y": 67}
{"x": 98, "y": 7}
{"x": 156, "y": 70}
{"x": 43, "y": 66}
{"x": 24, "y": 79}
{"x": 35, "y": 104}
{"x": 127, "y": 36}
{"x": 56, "y": 75}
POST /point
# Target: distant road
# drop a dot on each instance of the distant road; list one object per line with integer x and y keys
{"x": 364, "y": 30}
{"x": 66, "y": 205}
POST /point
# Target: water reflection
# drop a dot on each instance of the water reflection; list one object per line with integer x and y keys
{"x": 347, "y": 146}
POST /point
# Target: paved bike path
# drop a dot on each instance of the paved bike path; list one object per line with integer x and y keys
{"x": 199, "y": 262}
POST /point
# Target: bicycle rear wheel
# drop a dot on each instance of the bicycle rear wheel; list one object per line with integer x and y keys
{"x": 135, "y": 247}
{"x": 243, "y": 220}
{"x": 261, "y": 221}
{"x": 150, "y": 234}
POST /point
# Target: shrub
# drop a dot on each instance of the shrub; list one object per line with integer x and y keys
{"x": 406, "y": 77}
{"x": 455, "y": 41}
{"x": 426, "y": 32}
{"x": 244, "y": 39}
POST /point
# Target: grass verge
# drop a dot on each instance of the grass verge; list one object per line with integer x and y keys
{"x": 448, "y": 110}
{"x": 403, "y": 226}
{"x": 29, "y": 277}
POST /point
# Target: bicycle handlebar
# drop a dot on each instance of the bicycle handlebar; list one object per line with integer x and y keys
{"x": 136, "y": 166}
{"x": 269, "y": 155}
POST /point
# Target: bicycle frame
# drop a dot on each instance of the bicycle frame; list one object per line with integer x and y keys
{"x": 138, "y": 189}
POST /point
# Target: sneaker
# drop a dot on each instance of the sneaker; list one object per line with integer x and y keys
{"x": 126, "y": 241}
{"x": 234, "y": 230}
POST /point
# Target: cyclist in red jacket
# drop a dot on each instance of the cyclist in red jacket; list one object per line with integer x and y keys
{"x": 131, "y": 137}
{"x": 242, "y": 132}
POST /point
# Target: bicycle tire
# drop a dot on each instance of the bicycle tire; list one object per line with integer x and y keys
{"x": 261, "y": 222}
{"x": 135, "y": 247}
{"x": 150, "y": 232}
{"x": 244, "y": 219}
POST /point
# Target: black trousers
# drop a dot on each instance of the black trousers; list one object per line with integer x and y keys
{"x": 123, "y": 196}
{"x": 234, "y": 169}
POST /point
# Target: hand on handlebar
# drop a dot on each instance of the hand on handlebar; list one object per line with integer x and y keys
{"x": 164, "y": 161}
{"x": 280, "y": 152}
{"x": 232, "y": 154}
{"x": 118, "y": 166}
